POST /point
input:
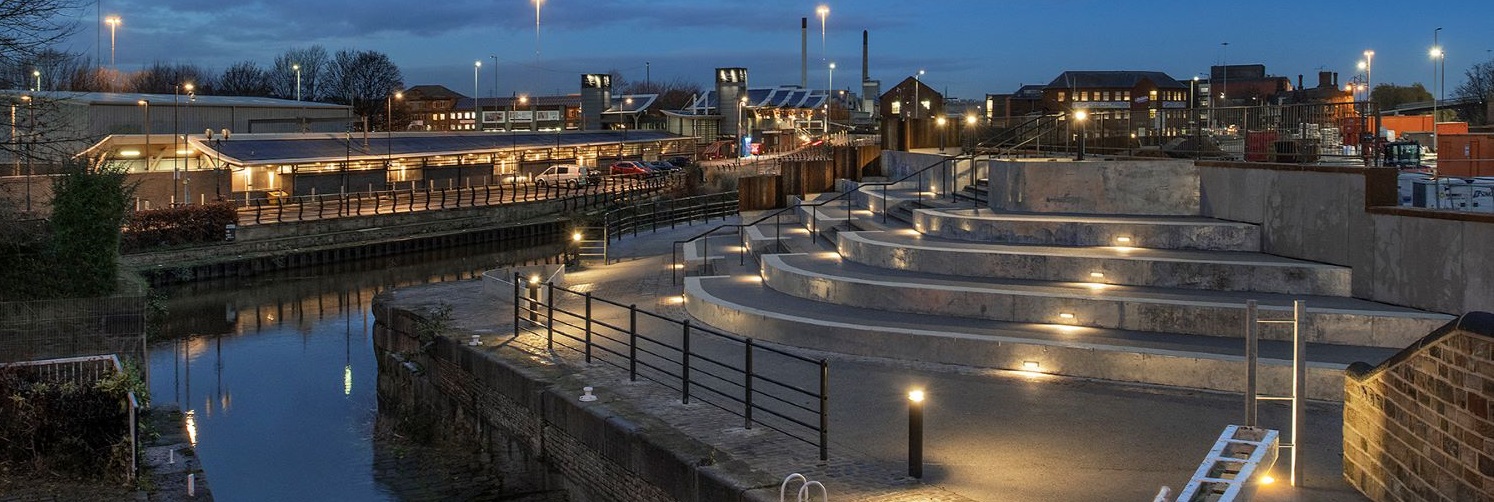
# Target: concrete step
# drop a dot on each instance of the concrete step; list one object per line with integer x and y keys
{"x": 1203, "y": 270}
{"x": 742, "y": 305}
{"x": 1155, "y": 232}
{"x": 824, "y": 277}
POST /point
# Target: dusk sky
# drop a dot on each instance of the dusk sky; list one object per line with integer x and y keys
{"x": 969, "y": 47}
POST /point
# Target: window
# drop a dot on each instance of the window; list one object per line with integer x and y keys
{"x": 1125, "y": 95}
{"x": 1152, "y": 94}
{"x": 897, "y": 106}
{"x": 1107, "y": 96}
{"x": 1060, "y": 97}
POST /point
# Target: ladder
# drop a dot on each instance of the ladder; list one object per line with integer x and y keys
{"x": 591, "y": 243}
{"x": 1229, "y": 472}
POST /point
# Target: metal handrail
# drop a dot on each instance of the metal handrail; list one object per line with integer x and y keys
{"x": 677, "y": 365}
{"x": 970, "y": 155}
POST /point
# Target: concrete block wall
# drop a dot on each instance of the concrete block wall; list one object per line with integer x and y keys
{"x": 1152, "y": 187}
{"x": 1432, "y": 260}
{"x": 1420, "y": 427}
{"x": 596, "y": 451}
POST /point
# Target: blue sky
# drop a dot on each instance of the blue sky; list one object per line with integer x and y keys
{"x": 969, "y": 47}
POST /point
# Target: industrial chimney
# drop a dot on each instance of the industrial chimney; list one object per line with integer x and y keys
{"x": 804, "y": 52}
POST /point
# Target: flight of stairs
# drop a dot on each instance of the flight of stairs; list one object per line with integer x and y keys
{"x": 1115, "y": 276}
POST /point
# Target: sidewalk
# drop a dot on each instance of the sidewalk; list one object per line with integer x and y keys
{"x": 989, "y": 435}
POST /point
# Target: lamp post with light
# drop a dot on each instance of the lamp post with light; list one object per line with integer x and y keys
{"x": 113, "y": 22}
{"x": 1369, "y": 69}
{"x": 915, "y": 434}
{"x": 1437, "y": 55}
{"x": 940, "y": 122}
{"x": 30, "y": 143}
{"x": 389, "y": 125}
{"x": 829, "y": 93}
{"x": 38, "y": 74}
{"x": 146, "y": 106}
{"x": 476, "y": 93}
{"x": 823, "y": 11}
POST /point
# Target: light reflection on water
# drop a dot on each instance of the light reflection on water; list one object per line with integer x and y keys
{"x": 280, "y": 377}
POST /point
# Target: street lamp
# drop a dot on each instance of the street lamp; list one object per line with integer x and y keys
{"x": 824, "y": 11}
{"x": 297, "y": 69}
{"x": 967, "y": 135}
{"x": 1079, "y": 117}
{"x": 38, "y": 74}
{"x": 537, "y": 4}
{"x": 176, "y": 156}
{"x": 113, "y": 22}
{"x": 1437, "y": 54}
{"x": 1369, "y": 68}
{"x": 146, "y": 106}
{"x": 476, "y": 105}
{"x": 829, "y": 93}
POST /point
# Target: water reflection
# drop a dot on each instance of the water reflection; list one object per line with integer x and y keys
{"x": 288, "y": 407}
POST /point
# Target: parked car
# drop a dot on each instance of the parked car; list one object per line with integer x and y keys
{"x": 628, "y": 168}
{"x": 566, "y": 175}
{"x": 681, "y": 162}
{"x": 663, "y": 167}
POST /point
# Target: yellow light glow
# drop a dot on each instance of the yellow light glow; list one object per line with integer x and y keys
{"x": 576, "y": 236}
{"x": 752, "y": 278}
{"x": 1267, "y": 479}
{"x": 129, "y": 153}
{"x": 677, "y": 299}
{"x": 1123, "y": 240}
{"x": 534, "y": 279}
{"x": 915, "y": 396}
{"x": 183, "y": 152}
{"x": 1081, "y": 115}
{"x": 1097, "y": 275}
{"x": 1030, "y": 365}
{"x": 1097, "y": 286}
{"x": 191, "y": 420}
{"x": 1066, "y": 315}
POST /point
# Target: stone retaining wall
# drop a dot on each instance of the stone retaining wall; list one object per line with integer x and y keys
{"x": 1420, "y": 427}
{"x": 596, "y": 451}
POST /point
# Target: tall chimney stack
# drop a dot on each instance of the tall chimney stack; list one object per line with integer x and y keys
{"x": 804, "y": 52}
{"x": 865, "y": 70}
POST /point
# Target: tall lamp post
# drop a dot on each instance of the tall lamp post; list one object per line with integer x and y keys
{"x": 823, "y": 11}
{"x": 476, "y": 105}
{"x": 1437, "y": 54}
{"x": 297, "y": 68}
{"x": 30, "y": 144}
{"x": 113, "y": 22}
{"x": 176, "y": 168}
{"x": 38, "y": 74}
{"x": 146, "y": 106}
{"x": 389, "y": 126}
{"x": 1369, "y": 82}
{"x": 829, "y": 93}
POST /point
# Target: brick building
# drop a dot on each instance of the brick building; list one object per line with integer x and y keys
{"x": 1139, "y": 105}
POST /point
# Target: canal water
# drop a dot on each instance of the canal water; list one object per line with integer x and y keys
{"x": 277, "y": 373}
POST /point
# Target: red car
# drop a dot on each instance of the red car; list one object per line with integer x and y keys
{"x": 628, "y": 168}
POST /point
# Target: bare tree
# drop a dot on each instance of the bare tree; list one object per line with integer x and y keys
{"x": 243, "y": 78}
{"x": 1478, "y": 86}
{"x": 314, "y": 65}
{"x": 364, "y": 80}
{"x": 28, "y": 30}
{"x": 162, "y": 78}
{"x": 673, "y": 94}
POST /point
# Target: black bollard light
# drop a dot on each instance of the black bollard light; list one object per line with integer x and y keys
{"x": 915, "y": 434}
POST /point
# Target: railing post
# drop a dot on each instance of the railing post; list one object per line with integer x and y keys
{"x": 685, "y": 363}
{"x": 588, "y": 327}
{"x": 549, "y": 316}
{"x": 1252, "y": 337}
{"x": 517, "y": 302}
{"x": 633, "y": 342}
{"x": 747, "y": 386}
{"x": 824, "y": 410}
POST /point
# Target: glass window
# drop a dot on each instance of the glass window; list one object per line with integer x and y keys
{"x": 1060, "y": 97}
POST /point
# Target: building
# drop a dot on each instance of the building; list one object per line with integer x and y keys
{"x": 910, "y": 111}
{"x": 760, "y": 118}
{"x": 437, "y": 108}
{"x": 58, "y": 125}
{"x": 1242, "y": 85}
{"x": 1143, "y": 106}
{"x": 251, "y": 166}
{"x": 1008, "y": 109}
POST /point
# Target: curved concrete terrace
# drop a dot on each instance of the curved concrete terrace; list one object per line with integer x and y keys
{"x": 1158, "y": 232}
{"x": 1213, "y": 270}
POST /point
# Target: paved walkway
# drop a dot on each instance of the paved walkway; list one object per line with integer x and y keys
{"x": 990, "y": 435}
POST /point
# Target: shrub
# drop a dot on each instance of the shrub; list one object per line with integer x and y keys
{"x": 174, "y": 226}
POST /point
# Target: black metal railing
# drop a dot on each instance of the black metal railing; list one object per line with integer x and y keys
{"x": 763, "y": 385}
{"x": 606, "y": 191}
{"x": 654, "y": 215}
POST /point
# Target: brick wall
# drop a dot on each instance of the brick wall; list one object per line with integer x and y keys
{"x": 478, "y": 398}
{"x": 1418, "y": 427}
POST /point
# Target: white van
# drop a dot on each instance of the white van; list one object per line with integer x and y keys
{"x": 566, "y": 175}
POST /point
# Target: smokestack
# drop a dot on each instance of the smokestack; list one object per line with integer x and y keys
{"x": 865, "y": 70}
{"x": 804, "y": 52}
{"x": 1299, "y": 81}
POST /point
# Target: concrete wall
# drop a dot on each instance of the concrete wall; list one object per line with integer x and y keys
{"x": 599, "y": 451}
{"x": 1346, "y": 216}
{"x": 1153, "y": 187}
{"x": 1419, "y": 427}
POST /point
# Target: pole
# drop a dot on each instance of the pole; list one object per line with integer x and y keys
{"x": 1252, "y": 341}
{"x": 477, "y": 93}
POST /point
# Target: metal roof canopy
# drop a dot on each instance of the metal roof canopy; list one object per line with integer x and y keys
{"x": 272, "y": 149}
